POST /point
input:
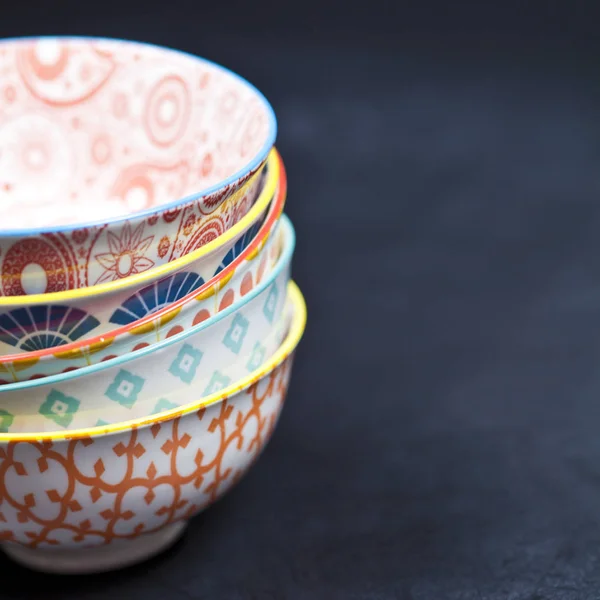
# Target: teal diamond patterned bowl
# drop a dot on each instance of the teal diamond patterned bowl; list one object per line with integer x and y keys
{"x": 171, "y": 373}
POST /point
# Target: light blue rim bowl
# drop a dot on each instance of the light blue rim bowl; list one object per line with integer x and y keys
{"x": 285, "y": 258}
{"x": 253, "y": 164}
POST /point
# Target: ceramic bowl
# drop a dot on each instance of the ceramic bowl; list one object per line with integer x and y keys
{"x": 116, "y": 157}
{"x": 103, "y": 498}
{"x": 29, "y": 323}
{"x": 252, "y": 263}
{"x": 170, "y": 373}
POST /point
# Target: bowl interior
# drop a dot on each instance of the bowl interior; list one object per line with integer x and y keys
{"x": 94, "y": 129}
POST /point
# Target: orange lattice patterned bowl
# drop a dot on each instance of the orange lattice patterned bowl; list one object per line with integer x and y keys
{"x": 103, "y": 498}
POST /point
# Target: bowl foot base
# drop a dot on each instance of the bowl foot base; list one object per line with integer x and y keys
{"x": 116, "y": 555}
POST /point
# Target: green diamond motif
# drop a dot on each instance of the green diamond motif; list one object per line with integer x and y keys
{"x": 6, "y": 420}
{"x": 234, "y": 338}
{"x": 59, "y": 408}
{"x": 163, "y": 405}
{"x": 101, "y": 423}
{"x": 271, "y": 303}
{"x": 217, "y": 382}
{"x": 125, "y": 388}
{"x": 186, "y": 363}
{"x": 257, "y": 357}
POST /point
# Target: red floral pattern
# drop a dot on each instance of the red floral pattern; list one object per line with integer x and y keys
{"x": 126, "y": 255}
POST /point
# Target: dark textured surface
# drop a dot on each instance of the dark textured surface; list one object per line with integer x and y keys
{"x": 442, "y": 434}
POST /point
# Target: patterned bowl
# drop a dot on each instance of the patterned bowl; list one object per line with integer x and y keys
{"x": 118, "y": 156}
{"x": 252, "y": 263}
{"x": 29, "y": 323}
{"x": 125, "y": 492}
{"x": 191, "y": 364}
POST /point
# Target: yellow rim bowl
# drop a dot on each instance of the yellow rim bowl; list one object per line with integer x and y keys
{"x": 295, "y": 332}
{"x": 252, "y": 215}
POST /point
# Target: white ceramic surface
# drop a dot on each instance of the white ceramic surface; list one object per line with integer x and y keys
{"x": 118, "y": 555}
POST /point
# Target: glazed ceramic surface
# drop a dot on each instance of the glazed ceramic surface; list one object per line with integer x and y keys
{"x": 189, "y": 365}
{"x": 47, "y": 320}
{"x": 250, "y": 266}
{"x": 62, "y": 492}
{"x": 109, "y": 149}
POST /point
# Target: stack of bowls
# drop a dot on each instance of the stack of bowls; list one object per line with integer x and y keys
{"x": 147, "y": 317}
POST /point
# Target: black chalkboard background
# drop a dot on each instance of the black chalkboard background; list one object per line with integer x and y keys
{"x": 441, "y": 438}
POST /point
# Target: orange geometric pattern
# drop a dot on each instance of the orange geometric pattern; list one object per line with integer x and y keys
{"x": 91, "y": 491}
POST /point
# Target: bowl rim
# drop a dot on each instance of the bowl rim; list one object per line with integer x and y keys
{"x": 284, "y": 260}
{"x": 291, "y": 341}
{"x": 251, "y": 166}
{"x": 266, "y": 229}
{"x": 156, "y": 273}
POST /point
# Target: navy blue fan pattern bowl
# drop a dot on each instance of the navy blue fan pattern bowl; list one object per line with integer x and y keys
{"x": 38, "y": 327}
{"x": 239, "y": 247}
{"x": 155, "y": 297}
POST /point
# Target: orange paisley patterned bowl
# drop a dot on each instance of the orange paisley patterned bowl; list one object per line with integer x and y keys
{"x": 102, "y": 498}
{"x": 117, "y": 157}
